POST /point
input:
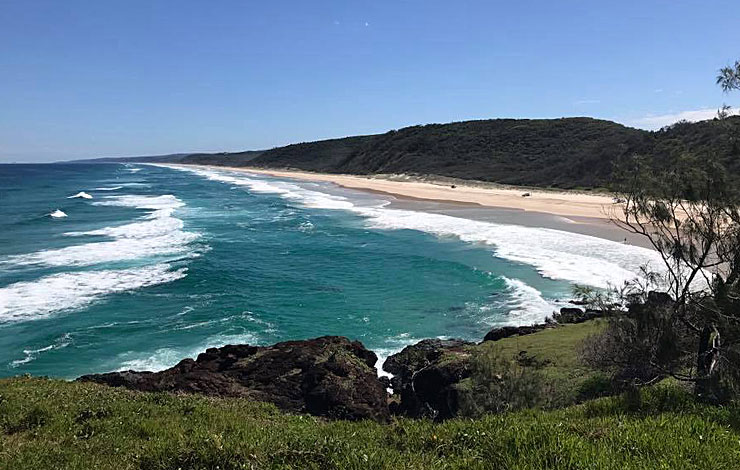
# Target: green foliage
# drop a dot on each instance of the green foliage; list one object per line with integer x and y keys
{"x": 598, "y": 385}
{"x": 499, "y": 383}
{"x": 729, "y": 77}
{"x": 565, "y": 153}
{"x": 687, "y": 208}
{"x": 554, "y": 357}
{"x": 91, "y": 426}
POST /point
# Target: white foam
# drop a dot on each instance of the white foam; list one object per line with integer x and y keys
{"x": 522, "y": 305}
{"x": 555, "y": 254}
{"x": 525, "y": 303}
{"x": 104, "y": 252}
{"x": 157, "y": 224}
{"x": 164, "y": 358}
{"x": 108, "y": 188}
{"x": 393, "y": 345}
{"x": 289, "y": 191}
{"x": 158, "y": 233}
{"x": 306, "y": 227}
{"x": 165, "y": 201}
{"x": 32, "y": 354}
{"x": 75, "y": 290}
{"x": 81, "y": 194}
{"x": 57, "y": 214}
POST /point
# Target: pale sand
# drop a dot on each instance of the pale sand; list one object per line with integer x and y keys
{"x": 562, "y": 203}
{"x": 569, "y": 211}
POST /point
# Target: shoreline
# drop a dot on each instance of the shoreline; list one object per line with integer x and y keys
{"x": 570, "y": 211}
{"x": 554, "y": 202}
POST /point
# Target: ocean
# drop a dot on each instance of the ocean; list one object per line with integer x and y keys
{"x": 124, "y": 266}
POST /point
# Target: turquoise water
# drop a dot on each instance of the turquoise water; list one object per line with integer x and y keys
{"x": 151, "y": 264}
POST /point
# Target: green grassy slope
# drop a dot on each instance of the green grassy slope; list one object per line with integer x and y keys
{"x": 48, "y": 423}
{"x": 556, "y": 352}
{"x": 54, "y": 424}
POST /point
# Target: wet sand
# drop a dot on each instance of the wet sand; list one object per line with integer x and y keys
{"x": 571, "y": 211}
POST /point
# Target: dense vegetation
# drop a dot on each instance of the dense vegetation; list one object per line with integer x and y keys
{"x": 568, "y": 153}
{"x": 564, "y": 153}
{"x": 559, "y": 152}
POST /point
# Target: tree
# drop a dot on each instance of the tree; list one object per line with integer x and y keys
{"x": 689, "y": 214}
{"x": 729, "y": 77}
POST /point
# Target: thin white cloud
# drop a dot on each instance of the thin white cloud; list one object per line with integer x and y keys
{"x": 654, "y": 122}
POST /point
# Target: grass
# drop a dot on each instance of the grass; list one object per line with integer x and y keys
{"x": 553, "y": 353}
{"x": 55, "y": 424}
{"x": 559, "y": 345}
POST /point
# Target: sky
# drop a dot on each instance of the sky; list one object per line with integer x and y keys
{"x": 97, "y": 78}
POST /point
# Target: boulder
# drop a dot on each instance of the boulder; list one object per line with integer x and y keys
{"x": 329, "y": 376}
{"x": 569, "y": 315}
{"x": 508, "y": 331}
{"x": 659, "y": 298}
{"x": 425, "y": 375}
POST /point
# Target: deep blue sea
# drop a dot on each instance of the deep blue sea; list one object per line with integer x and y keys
{"x": 116, "y": 266}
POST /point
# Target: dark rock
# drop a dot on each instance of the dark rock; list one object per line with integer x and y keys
{"x": 655, "y": 302}
{"x": 571, "y": 311}
{"x": 508, "y": 331}
{"x": 328, "y": 376}
{"x": 566, "y": 315}
{"x": 425, "y": 375}
{"x": 659, "y": 298}
{"x": 569, "y": 315}
{"x": 386, "y": 381}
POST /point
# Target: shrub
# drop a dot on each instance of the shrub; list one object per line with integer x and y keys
{"x": 596, "y": 386}
{"x": 499, "y": 384}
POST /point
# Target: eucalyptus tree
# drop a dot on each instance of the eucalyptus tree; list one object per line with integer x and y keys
{"x": 688, "y": 211}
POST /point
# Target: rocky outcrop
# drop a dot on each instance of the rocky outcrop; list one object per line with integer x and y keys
{"x": 507, "y": 331}
{"x": 425, "y": 375}
{"x": 570, "y": 315}
{"x": 566, "y": 316}
{"x": 329, "y": 376}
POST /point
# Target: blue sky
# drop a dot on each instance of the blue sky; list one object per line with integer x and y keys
{"x": 100, "y": 78}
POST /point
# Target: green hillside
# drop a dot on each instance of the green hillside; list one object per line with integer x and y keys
{"x": 567, "y": 153}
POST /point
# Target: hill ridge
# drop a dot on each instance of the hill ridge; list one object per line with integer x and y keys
{"x": 569, "y": 152}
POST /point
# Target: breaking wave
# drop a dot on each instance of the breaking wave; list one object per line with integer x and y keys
{"x": 69, "y": 291}
{"x": 555, "y": 254}
{"x": 155, "y": 234}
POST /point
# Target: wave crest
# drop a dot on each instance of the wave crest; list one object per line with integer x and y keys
{"x": 70, "y": 291}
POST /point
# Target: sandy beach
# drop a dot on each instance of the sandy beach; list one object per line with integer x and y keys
{"x": 562, "y": 203}
{"x": 570, "y": 211}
